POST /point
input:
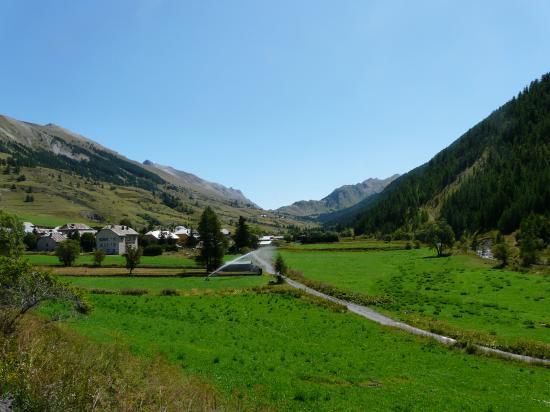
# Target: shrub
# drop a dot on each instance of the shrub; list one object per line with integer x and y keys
{"x": 134, "y": 292}
{"x": 318, "y": 237}
{"x": 169, "y": 292}
{"x": 152, "y": 250}
{"x": 99, "y": 291}
{"x": 502, "y": 253}
{"x": 170, "y": 248}
{"x": 68, "y": 251}
{"x": 408, "y": 246}
{"x": 99, "y": 256}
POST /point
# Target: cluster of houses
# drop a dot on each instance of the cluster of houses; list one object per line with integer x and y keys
{"x": 268, "y": 240}
{"x": 113, "y": 239}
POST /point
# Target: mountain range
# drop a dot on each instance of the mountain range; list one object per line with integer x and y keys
{"x": 492, "y": 177}
{"x": 341, "y": 198}
{"x": 69, "y": 176}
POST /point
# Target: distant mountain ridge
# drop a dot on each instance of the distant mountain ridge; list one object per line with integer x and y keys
{"x": 341, "y": 198}
{"x": 186, "y": 179}
{"x": 83, "y": 175}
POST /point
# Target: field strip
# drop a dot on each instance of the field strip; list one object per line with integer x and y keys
{"x": 386, "y": 321}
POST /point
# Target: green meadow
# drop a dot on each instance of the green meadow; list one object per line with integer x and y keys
{"x": 167, "y": 261}
{"x": 275, "y": 349}
{"x": 349, "y": 244}
{"x": 155, "y": 285}
{"x": 461, "y": 291}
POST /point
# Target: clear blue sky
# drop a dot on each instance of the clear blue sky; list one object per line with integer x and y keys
{"x": 284, "y": 99}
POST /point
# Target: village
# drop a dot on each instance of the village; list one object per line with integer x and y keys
{"x": 116, "y": 239}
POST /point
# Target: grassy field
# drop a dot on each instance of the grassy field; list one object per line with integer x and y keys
{"x": 115, "y": 260}
{"x": 155, "y": 285}
{"x": 49, "y": 220}
{"x": 163, "y": 261}
{"x": 269, "y": 350}
{"x": 61, "y": 197}
{"x": 348, "y": 244}
{"x": 462, "y": 291}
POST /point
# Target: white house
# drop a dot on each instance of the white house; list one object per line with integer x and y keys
{"x": 71, "y": 228}
{"x": 182, "y": 231}
{"x": 28, "y": 227}
{"x": 115, "y": 239}
{"x": 49, "y": 242}
{"x": 156, "y": 235}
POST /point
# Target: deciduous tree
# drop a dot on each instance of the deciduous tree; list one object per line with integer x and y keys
{"x": 68, "y": 251}
{"x": 439, "y": 235}
{"x": 133, "y": 257}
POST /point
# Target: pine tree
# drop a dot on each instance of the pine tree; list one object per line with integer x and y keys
{"x": 243, "y": 238}
{"x": 213, "y": 241}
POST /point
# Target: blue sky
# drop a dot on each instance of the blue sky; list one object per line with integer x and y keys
{"x": 285, "y": 100}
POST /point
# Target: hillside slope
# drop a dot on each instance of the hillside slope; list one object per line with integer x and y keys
{"x": 492, "y": 177}
{"x": 65, "y": 176}
{"x": 341, "y": 198}
{"x": 189, "y": 180}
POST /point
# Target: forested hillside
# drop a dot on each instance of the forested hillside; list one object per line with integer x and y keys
{"x": 492, "y": 177}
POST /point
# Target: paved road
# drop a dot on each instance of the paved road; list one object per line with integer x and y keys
{"x": 386, "y": 321}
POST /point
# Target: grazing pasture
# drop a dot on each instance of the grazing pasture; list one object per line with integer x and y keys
{"x": 367, "y": 244}
{"x": 162, "y": 261}
{"x": 277, "y": 350}
{"x": 156, "y": 284}
{"x": 458, "y": 291}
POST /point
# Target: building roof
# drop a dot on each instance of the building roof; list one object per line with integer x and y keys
{"x": 182, "y": 230}
{"x": 75, "y": 226}
{"x": 120, "y": 230}
{"x": 157, "y": 234}
{"x": 55, "y": 236}
{"x": 28, "y": 227}
{"x": 44, "y": 230}
{"x": 265, "y": 242}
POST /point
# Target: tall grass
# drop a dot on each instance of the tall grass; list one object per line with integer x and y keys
{"x": 46, "y": 368}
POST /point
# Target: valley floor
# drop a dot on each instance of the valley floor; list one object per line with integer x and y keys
{"x": 272, "y": 347}
{"x": 457, "y": 295}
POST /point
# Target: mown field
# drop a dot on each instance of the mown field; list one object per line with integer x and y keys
{"x": 283, "y": 351}
{"x": 155, "y": 285}
{"x": 349, "y": 244}
{"x": 167, "y": 261}
{"x": 461, "y": 291}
